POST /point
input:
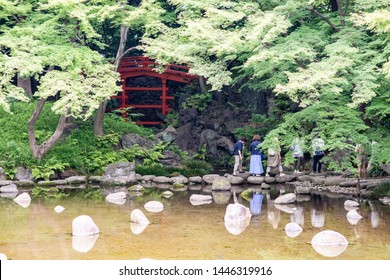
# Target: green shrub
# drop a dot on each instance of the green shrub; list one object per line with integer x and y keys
{"x": 383, "y": 190}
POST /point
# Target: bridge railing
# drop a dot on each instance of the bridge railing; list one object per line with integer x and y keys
{"x": 134, "y": 63}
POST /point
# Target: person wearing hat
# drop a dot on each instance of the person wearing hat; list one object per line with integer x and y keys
{"x": 255, "y": 165}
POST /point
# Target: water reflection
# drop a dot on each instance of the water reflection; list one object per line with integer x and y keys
{"x": 317, "y": 211}
{"x": 84, "y": 243}
{"x": 183, "y": 231}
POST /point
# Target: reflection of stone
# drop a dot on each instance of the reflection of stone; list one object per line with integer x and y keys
{"x": 167, "y": 194}
{"x": 286, "y": 208}
{"x": 23, "y": 200}
{"x": 329, "y": 243}
{"x": 353, "y": 217}
{"x": 154, "y": 206}
{"x": 200, "y": 199}
{"x": 298, "y": 217}
{"x": 237, "y": 218}
{"x": 137, "y": 228}
{"x": 293, "y": 229}
{"x": 59, "y": 208}
{"x": 83, "y": 226}
{"x": 374, "y": 216}
{"x": 9, "y": 195}
{"x": 117, "y": 198}
{"x": 221, "y": 197}
{"x": 84, "y": 243}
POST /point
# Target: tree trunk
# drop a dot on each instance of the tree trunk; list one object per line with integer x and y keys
{"x": 25, "y": 83}
{"x": 38, "y": 151}
{"x": 99, "y": 120}
{"x": 202, "y": 85}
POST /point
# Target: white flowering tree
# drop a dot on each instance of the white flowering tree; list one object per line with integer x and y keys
{"x": 50, "y": 42}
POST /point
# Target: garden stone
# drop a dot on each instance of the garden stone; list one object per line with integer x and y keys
{"x": 23, "y": 200}
{"x": 284, "y": 179}
{"x": 23, "y": 174}
{"x": 269, "y": 179}
{"x": 178, "y": 188}
{"x": 3, "y": 257}
{"x": 25, "y": 183}
{"x": 137, "y": 216}
{"x": 121, "y": 169}
{"x": 348, "y": 184}
{"x": 180, "y": 179}
{"x": 221, "y": 184}
{"x": 209, "y": 178}
{"x": 285, "y": 199}
{"x": 304, "y": 178}
{"x": 148, "y": 178}
{"x": 52, "y": 183}
{"x": 293, "y": 230}
{"x": 353, "y": 217}
{"x": 200, "y": 199}
{"x": 302, "y": 190}
{"x": 2, "y": 175}
{"x": 83, "y": 225}
{"x": 334, "y": 181}
{"x": 74, "y": 180}
{"x": 59, "y": 209}
{"x": 329, "y": 243}
{"x": 255, "y": 180}
{"x": 207, "y": 189}
{"x": 154, "y": 206}
{"x": 235, "y": 180}
{"x": 118, "y": 198}
{"x": 12, "y": 188}
{"x": 170, "y": 159}
{"x": 130, "y": 139}
{"x": 195, "y": 179}
{"x": 168, "y": 135}
{"x": 136, "y": 190}
{"x": 162, "y": 180}
{"x": 6, "y": 182}
{"x": 237, "y": 218}
{"x": 351, "y": 203}
{"x": 318, "y": 180}
{"x": 286, "y": 208}
{"x": 244, "y": 175}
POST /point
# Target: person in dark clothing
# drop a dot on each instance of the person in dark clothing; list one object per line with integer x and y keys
{"x": 318, "y": 153}
{"x": 238, "y": 155}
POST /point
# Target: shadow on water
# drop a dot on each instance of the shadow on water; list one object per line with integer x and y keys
{"x": 188, "y": 230}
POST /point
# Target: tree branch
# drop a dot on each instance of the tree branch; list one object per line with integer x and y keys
{"x": 313, "y": 10}
{"x": 342, "y": 20}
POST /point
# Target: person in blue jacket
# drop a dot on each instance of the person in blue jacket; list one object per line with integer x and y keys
{"x": 238, "y": 155}
{"x": 255, "y": 166}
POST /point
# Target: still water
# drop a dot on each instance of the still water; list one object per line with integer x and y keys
{"x": 183, "y": 231}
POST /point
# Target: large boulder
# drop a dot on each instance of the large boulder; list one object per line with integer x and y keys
{"x": 23, "y": 200}
{"x": 130, "y": 139}
{"x": 221, "y": 184}
{"x": 84, "y": 226}
{"x": 168, "y": 135}
{"x": 23, "y": 174}
{"x": 255, "y": 180}
{"x": 235, "y": 180}
{"x": 237, "y": 218}
{"x": 12, "y": 188}
{"x": 329, "y": 243}
{"x": 170, "y": 159}
{"x": 119, "y": 174}
{"x": 286, "y": 198}
{"x": 209, "y": 178}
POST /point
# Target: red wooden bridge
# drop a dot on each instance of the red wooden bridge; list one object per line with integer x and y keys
{"x": 137, "y": 66}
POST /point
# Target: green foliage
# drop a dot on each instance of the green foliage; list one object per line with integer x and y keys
{"x": 48, "y": 193}
{"x": 48, "y": 168}
{"x": 149, "y": 157}
{"x": 259, "y": 124}
{"x": 339, "y": 126}
{"x": 198, "y": 101}
{"x": 383, "y": 190}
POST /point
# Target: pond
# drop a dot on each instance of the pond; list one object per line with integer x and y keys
{"x": 183, "y": 231}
